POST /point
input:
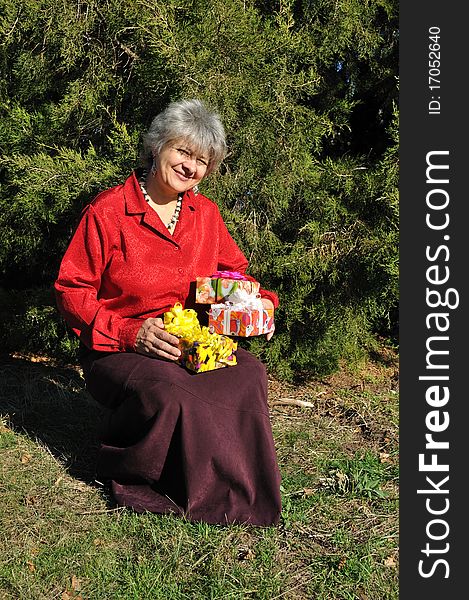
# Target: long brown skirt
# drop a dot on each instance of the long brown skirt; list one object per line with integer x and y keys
{"x": 198, "y": 444}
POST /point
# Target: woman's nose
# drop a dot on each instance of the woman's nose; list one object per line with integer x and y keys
{"x": 190, "y": 164}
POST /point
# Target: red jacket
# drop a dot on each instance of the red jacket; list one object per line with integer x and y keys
{"x": 122, "y": 266}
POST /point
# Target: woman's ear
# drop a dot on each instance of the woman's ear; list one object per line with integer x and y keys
{"x": 154, "y": 166}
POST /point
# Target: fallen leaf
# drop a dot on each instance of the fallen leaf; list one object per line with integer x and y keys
{"x": 384, "y": 457}
{"x": 31, "y": 500}
{"x": 25, "y": 458}
{"x": 390, "y": 562}
{"x": 31, "y": 566}
{"x": 75, "y": 583}
{"x": 71, "y": 595}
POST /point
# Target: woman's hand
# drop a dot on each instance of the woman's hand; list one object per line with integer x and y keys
{"x": 153, "y": 340}
{"x": 268, "y": 304}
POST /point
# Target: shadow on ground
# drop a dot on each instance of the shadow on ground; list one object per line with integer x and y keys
{"x": 49, "y": 403}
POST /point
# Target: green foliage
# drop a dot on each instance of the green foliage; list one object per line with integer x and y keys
{"x": 362, "y": 476}
{"x": 307, "y": 92}
{"x": 29, "y": 322}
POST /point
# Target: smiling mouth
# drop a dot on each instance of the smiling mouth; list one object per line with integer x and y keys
{"x": 183, "y": 176}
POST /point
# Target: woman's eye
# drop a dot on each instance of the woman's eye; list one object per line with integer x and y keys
{"x": 202, "y": 162}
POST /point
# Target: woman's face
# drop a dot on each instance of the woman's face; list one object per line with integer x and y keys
{"x": 180, "y": 168}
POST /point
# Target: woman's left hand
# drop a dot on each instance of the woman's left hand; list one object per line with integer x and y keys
{"x": 268, "y": 304}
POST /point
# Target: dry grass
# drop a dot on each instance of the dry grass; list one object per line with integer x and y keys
{"x": 63, "y": 538}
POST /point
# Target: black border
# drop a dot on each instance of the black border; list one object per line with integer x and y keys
{"x": 421, "y": 132}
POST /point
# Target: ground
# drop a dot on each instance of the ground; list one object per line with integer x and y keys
{"x": 337, "y": 445}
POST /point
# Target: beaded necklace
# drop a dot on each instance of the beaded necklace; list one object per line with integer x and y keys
{"x": 146, "y": 195}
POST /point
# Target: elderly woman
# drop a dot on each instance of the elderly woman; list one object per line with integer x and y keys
{"x": 201, "y": 444}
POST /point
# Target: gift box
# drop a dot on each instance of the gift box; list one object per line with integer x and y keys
{"x": 221, "y": 284}
{"x": 208, "y": 354}
{"x": 233, "y": 320}
{"x": 201, "y": 349}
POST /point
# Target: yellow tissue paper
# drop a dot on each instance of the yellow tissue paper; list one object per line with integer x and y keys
{"x": 201, "y": 349}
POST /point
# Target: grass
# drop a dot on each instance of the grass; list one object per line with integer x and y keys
{"x": 61, "y": 537}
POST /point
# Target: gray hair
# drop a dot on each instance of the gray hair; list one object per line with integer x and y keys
{"x": 190, "y": 121}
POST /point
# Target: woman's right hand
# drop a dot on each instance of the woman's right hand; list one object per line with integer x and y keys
{"x": 153, "y": 340}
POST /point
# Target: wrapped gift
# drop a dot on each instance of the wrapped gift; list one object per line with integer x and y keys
{"x": 243, "y": 315}
{"x": 206, "y": 290}
{"x": 201, "y": 350}
{"x": 221, "y": 284}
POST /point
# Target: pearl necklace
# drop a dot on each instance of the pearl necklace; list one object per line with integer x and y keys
{"x": 146, "y": 195}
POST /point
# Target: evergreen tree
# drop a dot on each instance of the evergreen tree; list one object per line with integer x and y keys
{"x": 307, "y": 92}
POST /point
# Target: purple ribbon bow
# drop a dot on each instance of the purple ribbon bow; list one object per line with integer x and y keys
{"x": 228, "y": 275}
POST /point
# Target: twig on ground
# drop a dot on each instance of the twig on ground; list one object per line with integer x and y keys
{"x": 102, "y": 511}
{"x": 294, "y": 401}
